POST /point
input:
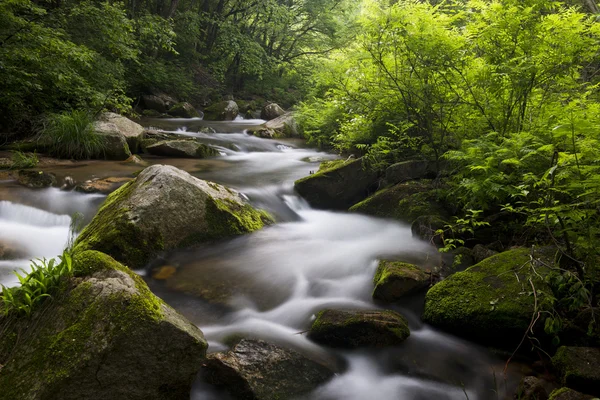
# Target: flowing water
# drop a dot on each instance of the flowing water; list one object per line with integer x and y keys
{"x": 269, "y": 284}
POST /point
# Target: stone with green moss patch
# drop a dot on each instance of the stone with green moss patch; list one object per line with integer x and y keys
{"x": 394, "y": 280}
{"x": 351, "y": 329}
{"x": 568, "y": 394}
{"x": 579, "y": 368}
{"x": 493, "y": 302}
{"x": 405, "y": 202}
{"x": 104, "y": 336}
{"x": 338, "y": 184}
{"x": 181, "y": 148}
{"x": 184, "y": 110}
{"x": 165, "y": 208}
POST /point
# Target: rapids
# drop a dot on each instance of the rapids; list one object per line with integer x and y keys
{"x": 272, "y": 282}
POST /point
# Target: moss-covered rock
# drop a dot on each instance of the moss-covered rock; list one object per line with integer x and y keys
{"x": 351, "y": 329}
{"x": 579, "y": 368}
{"x": 284, "y": 126}
{"x": 223, "y": 111}
{"x": 181, "y": 148}
{"x": 394, "y": 280}
{"x": 409, "y": 170}
{"x": 184, "y": 110}
{"x": 258, "y": 370}
{"x": 404, "y": 202}
{"x": 337, "y": 185}
{"x": 492, "y": 302}
{"x": 104, "y": 336}
{"x": 165, "y": 208}
{"x": 568, "y": 394}
{"x": 36, "y": 179}
{"x": 271, "y": 111}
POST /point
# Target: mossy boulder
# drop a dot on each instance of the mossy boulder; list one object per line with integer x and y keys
{"x": 337, "y": 185}
{"x": 166, "y": 208}
{"x": 394, "y": 280}
{"x": 271, "y": 111}
{"x": 184, "y": 110}
{"x": 569, "y": 394}
{"x": 104, "y": 336}
{"x": 223, "y": 111}
{"x": 405, "y": 202}
{"x": 579, "y": 368}
{"x": 493, "y": 302}
{"x": 409, "y": 170}
{"x": 258, "y": 370}
{"x": 181, "y": 148}
{"x": 36, "y": 179}
{"x": 131, "y": 131}
{"x": 352, "y": 329}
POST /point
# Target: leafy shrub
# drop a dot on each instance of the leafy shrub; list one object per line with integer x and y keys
{"x": 22, "y": 160}
{"x": 71, "y": 135}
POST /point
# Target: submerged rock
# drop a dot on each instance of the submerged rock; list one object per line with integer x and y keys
{"x": 106, "y": 336}
{"x": 337, "y": 185}
{"x": 394, "y": 280}
{"x": 36, "y": 179}
{"x": 184, "y": 110}
{"x": 569, "y": 394}
{"x": 165, "y": 208}
{"x": 492, "y": 302}
{"x": 579, "y": 368}
{"x": 404, "y": 202}
{"x": 181, "y": 148}
{"x": 133, "y": 132}
{"x": 271, "y": 111}
{"x": 350, "y": 329}
{"x": 258, "y": 370}
{"x": 223, "y": 111}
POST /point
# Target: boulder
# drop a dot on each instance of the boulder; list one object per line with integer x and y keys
{"x": 579, "y": 368}
{"x": 428, "y": 228}
{"x": 410, "y": 170}
{"x": 531, "y": 388}
{"x": 258, "y": 370}
{"x": 481, "y": 252}
{"x": 131, "y": 224}
{"x": 394, "y": 280}
{"x": 492, "y": 302}
{"x": 155, "y": 103}
{"x": 223, "y": 111}
{"x": 351, "y": 329}
{"x": 184, "y": 110}
{"x": 36, "y": 179}
{"x": 104, "y": 336}
{"x": 284, "y": 126}
{"x": 569, "y": 394}
{"x": 133, "y": 132}
{"x": 405, "y": 202}
{"x": 337, "y": 185}
{"x": 181, "y": 148}
{"x": 104, "y": 185}
{"x": 271, "y": 111}
{"x": 115, "y": 143}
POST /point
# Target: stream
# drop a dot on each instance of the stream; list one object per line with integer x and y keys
{"x": 269, "y": 284}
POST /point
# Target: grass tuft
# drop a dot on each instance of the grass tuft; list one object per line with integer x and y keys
{"x": 22, "y": 160}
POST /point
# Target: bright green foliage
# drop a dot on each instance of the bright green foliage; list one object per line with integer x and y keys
{"x": 44, "y": 279}
{"x": 22, "y": 160}
{"x": 71, "y": 135}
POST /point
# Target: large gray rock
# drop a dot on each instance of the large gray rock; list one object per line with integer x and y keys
{"x": 271, "y": 111}
{"x": 394, "y": 280}
{"x": 284, "y": 126}
{"x": 337, "y": 185}
{"x": 155, "y": 103}
{"x": 258, "y": 370}
{"x": 409, "y": 170}
{"x": 104, "y": 336}
{"x": 223, "y": 111}
{"x": 351, "y": 329}
{"x": 579, "y": 368}
{"x": 181, "y": 148}
{"x": 166, "y": 208}
{"x": 132, "y": 131}
{"x": 184, "y": 110}
{"x": 115, "y": 143}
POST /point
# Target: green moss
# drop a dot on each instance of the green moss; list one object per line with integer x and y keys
{"x": 109, "y": 229}
{"x": 325, "y": 168}
{"x": 491, "y": 301}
